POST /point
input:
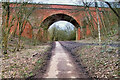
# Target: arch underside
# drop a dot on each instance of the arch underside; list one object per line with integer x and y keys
{"x": 57, "y": 17}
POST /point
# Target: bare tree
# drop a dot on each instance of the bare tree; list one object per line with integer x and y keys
{"x": 110, "y": 6}
{"x": 6, "y": 26}
{"x": 8, "y": 21}
{"x": 22, "y": 13}
{"x": 98, "y": 23}
{"x": 105, "y": 22}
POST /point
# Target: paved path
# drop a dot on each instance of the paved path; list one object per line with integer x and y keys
{"x": 61, "y": 65}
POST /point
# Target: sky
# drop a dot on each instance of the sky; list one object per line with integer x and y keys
{"x": 70, "y": 2}
{"x": 62, "y": 24}
{"x": 56, "y": 1}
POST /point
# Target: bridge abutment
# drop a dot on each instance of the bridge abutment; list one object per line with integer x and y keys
{"x": 78, "y": 33}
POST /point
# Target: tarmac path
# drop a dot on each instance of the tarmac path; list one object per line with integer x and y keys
{"x": 62, "y": 65}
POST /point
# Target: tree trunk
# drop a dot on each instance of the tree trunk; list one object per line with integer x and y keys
{"x": 18, "y": 46}
{"x": 119, "y": 26}
{"x": 5, "y": 23}
{"x": 99, "y": 34}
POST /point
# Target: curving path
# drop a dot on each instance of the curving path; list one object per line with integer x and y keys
{"x": 62, "y": 66}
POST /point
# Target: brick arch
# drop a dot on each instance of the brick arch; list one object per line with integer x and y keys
{"x": 45, "y": 24}
{"x": 57, "y": 17}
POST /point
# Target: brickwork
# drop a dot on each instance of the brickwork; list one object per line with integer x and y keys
{"x": 48, "y": 14}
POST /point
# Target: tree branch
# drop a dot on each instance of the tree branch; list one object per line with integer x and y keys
{"x": 112, "y": 9}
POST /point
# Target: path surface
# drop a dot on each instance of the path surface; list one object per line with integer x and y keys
{"x": 61, "y": 65}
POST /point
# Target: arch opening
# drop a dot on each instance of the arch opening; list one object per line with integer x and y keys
{"x": 58, "y": 17}
{"x": 62, "y": 31}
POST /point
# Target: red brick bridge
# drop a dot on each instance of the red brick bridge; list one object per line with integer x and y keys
{"x": 45, "y": 15}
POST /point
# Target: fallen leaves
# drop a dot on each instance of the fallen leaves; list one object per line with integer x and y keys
{"x": 21, "y": 64}
{"x": 101, "y": 62}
